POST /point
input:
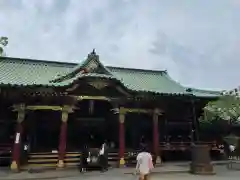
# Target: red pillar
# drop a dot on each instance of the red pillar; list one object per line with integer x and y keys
{"x": 156, "y": 136}
{"x": 15, "y": 165}
{"x": 121, "y": 139}
{"x": 62, "y": 140}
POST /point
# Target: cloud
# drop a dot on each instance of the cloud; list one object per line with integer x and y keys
{"x": 196, "y": 41}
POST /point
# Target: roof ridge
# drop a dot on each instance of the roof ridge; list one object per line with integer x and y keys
{"x": 76, "y": 64}
{"x": 205, "y": 90}
{"x": 92, "y": 57}
{"x": 138, "y": 69}
{"x": 36, "y": 60}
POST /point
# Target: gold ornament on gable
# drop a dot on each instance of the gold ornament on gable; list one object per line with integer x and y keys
{"x": 92, "y": 65}
{"x": 98, "y": 84}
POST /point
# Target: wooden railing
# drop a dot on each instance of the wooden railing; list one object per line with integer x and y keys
{"x": 183, "y": 146}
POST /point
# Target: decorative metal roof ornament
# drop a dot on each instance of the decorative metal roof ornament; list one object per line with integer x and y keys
{"x": 93, "y": 64}
{"x": 98, "y": 84}
{"x": 94, "y": 52}
{"x": 93, "y": 55}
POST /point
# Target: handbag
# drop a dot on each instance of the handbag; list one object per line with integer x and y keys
{"x": 89, "y": 157}
{"x": 150, "y": 164}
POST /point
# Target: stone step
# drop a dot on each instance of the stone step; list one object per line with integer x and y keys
{"x": 49, "y": 159}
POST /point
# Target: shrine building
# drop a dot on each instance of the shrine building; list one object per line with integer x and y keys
{"x": 55, "y": 108}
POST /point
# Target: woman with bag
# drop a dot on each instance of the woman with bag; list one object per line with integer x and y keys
{"x": 103, "y": 157}
{"x": 83, "y": 159}
{"x": 144, "y": 164}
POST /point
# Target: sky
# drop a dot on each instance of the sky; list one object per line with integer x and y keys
{"x": 196, "y": 41}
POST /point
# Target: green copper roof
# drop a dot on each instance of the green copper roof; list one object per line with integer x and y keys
{"x": 23, "y": 72}
{"x": 27, "y": 72}
{"x": 204, "y": 93}
{"x": 147, "y": 80}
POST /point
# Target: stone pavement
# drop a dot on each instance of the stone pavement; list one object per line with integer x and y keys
{"x": 179, "y": 170}
{"x": 67, "y": 173}
{"x": 222, "y": 174}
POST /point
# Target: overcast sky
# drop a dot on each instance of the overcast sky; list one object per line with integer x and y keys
{"x": 197, "y": 41}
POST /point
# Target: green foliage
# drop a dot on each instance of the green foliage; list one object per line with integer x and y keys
{"x": 225, "y": 108}
{"x": 3, "y": 43}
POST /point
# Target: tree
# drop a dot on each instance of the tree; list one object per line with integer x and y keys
{"x": 220, "y": 117}
{"x": 226, "y": 107}
{"x": 3, "y": 43}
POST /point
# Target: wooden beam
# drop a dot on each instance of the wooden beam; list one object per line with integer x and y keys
{"x": 66, "y": 108}
{"x": 103, "y": 98}
{"x": 137, "y": 110}
{"x": 42, "y": 107}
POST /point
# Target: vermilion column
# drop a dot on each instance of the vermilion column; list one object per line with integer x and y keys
{"x": 156, "y": 136}
{"x": 15, "y": 165}
{"x": 63, "y": 138}
{"x": 121, "y": 138}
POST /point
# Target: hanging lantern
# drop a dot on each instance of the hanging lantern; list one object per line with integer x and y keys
{"x": 91, "y": 106}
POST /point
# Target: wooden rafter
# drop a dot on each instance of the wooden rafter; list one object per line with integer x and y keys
{"x": 123, "y": 110}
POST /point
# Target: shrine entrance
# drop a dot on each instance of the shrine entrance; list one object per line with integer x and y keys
{"x": 139, "y": 129}
{"x": 91, "y": 124}
{"x": 42, "y": 129}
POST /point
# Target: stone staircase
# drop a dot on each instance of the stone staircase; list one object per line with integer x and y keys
{"x": 5, "y": 154}
{"x": 41, "y": 160}
{"x": 49, "y": 160}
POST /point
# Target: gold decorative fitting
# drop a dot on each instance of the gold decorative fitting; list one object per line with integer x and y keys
{"x": 14, "y": 166}
{"x": 122, "y": 161}
{"x": 67, "y": 108}
{"x": 157, "y": 111}
{"x": 121, "y": 118}
{"x": 64, "y": 116}
{"x": 98, "y": 84}
{"x": 60, "y": 164}
{"x": 92, "y": 65}
{"x": 21, "y": 116}
{"x": 19, "y": 107}
{"x": 122, "y": 111}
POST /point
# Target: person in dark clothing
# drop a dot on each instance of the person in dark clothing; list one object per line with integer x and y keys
{"x": 25, "y": 149}
{"x": 142, "y": 144}
{"x": 83, "y": 159}
{"x": 103, "y": 157}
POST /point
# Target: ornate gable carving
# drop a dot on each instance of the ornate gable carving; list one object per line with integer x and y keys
{"x": 98, "y": 84}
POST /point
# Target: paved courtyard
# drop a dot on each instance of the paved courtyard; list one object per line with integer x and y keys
{"x": 221, "y": 174}
{"x": 116, "y": 174}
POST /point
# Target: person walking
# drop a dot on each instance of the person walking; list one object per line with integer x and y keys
{"x": 83, "y": 159}
{"x": 144, "y": 164}
{"x": 103, "y": 157}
